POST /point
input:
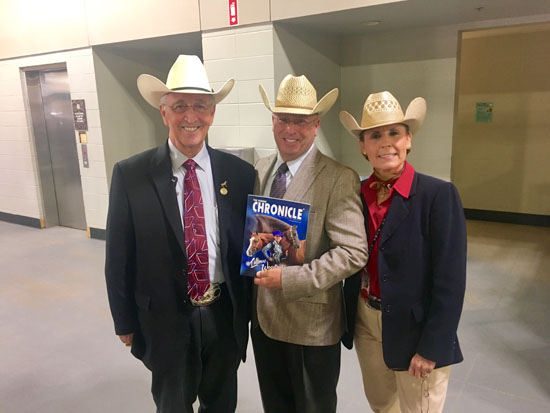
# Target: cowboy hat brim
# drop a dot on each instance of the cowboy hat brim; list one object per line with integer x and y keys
{"x": 153, "y": 89}
{"x": 321, "y": 107}
{"x": 414, "y": 118}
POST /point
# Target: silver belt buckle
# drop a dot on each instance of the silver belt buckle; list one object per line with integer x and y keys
{"x": 211, "y": 295}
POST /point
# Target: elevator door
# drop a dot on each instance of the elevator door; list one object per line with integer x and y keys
{"x": 51, "y": 111}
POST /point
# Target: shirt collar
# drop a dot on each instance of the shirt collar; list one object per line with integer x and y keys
{"x": 402, "y": 185}
{"x": 293, "y": 165}
{"x": 404, "y": 182}
{"x": 177, "y": 158}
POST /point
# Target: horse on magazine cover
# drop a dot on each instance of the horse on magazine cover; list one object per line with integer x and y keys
{"x": 294, "y": 247}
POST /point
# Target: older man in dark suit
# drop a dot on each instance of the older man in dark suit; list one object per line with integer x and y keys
{"x": 174, "y": 235}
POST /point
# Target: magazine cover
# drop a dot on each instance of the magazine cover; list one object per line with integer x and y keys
{"x": 274, "y": 234}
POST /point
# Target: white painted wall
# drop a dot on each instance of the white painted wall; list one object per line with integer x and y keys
{"x": 246, "y": 55}
{"x": 129, "y": 123}
{"x": 316, "y": 56}
{"x": 38, "y": 26}
{"x": 410, "y": 63}
{"x": 264, "y": 54}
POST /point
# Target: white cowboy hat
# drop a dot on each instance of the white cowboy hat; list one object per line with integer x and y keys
{"x": 381, "y": 109}
{"x": 187, "y": 75}
{"x": 297, "y": 95}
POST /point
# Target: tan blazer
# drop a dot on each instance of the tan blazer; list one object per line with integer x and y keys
{"x": 309, "y": 310}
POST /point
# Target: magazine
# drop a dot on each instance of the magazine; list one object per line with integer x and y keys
{"x": 274, "y": 234}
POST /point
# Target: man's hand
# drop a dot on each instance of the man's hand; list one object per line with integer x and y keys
{"x": 420, "y": 367}
{"x": 269, "y": 279}
{"x": 127, "y": 339}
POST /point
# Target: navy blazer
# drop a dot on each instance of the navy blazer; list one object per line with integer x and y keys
{"x": 422, "y": 270}
{"x": 146, "y": 267}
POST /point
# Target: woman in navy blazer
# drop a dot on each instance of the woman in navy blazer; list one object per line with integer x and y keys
{"x": 404, "y": 307}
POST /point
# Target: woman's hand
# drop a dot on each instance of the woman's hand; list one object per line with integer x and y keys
{"x": 420, "y": 367}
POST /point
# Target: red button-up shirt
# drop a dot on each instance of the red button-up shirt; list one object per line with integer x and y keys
{"x": 376, "y": 216}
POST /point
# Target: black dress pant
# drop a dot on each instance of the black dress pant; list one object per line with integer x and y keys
{"x": 296, "y": 378}
{"x": 207, "y": 369}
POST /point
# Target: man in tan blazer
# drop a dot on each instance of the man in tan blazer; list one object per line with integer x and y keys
{"x": 299, "y": 314}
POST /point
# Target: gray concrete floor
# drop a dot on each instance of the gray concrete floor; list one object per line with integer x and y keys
{"x": 59, "y": 352}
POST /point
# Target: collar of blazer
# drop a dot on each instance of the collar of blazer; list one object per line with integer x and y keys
{"x": 301, "y": 182}
{"x": 399, "y": 210}
{"x": 161, "y": 173}
{"x": 222, "y": 175}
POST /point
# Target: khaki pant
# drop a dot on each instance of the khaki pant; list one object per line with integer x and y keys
{"x": 390, "y": 391}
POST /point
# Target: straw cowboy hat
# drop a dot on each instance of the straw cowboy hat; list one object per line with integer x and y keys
{"x": 187, "y": 75}
{"x": 382, "y": 109}
{"x": 297, "y": 96}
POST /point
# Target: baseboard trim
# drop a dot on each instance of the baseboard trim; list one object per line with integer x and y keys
{"x": 97, "y": 233}
{"x": 20, "y": 219}
{"x": 508, "y": 217}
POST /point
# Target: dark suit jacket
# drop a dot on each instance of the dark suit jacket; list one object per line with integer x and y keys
{"x": 422, "y": 269}
{"x": 146, "y": 264}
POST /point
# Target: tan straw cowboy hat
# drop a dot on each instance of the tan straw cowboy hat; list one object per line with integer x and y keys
{"x": 187, "y": 75}
{"x": 297, "y": 96}
{"x": 383, "y": 109}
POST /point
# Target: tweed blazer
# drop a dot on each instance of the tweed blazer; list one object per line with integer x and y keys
{"x": 309, "y": 309}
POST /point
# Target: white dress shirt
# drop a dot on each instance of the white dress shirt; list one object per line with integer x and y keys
{"x": 206, "y": 182}
{"x": 293, "y": 167}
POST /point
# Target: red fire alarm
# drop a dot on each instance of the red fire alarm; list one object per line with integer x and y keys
{"x": 233, "y": 19}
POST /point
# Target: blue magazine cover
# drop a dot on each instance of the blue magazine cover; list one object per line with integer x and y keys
{"x": 274, "y": 234}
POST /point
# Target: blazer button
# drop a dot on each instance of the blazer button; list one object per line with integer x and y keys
{"x": 381, "y": 248}
{"x": 387, "y": 308}
{"x": 385, "y": 278}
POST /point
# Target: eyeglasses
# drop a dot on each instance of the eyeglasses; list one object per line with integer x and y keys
{"x": 298, "y": 122}
{"x": 197, "y": 107}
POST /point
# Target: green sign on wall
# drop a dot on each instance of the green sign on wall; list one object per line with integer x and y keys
{"x": 484, "y": 112}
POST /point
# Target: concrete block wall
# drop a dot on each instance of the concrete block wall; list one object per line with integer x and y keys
{"x": 245, "y": 54}
{"x": 317, "y": 56}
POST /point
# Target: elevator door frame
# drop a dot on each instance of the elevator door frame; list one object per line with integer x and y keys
{"x": 44, "y": 157}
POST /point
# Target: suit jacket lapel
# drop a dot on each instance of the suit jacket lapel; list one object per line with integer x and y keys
{"x": 301, "y": 182}
{"x": 264, "y": 169}
{"x": 399, "y": 210}
{"x": 161, "y": 172}
{"x": 224, "y": 207}
{"x": 304, "y": 178}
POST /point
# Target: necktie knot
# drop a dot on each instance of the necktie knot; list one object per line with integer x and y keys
{"x": 190, "y": 165}
{"x": 282, "y": 169}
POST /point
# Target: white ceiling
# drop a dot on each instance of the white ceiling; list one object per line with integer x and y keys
{"x": 419, "y": 13}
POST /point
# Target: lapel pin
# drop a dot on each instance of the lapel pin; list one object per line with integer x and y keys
{"x": 223, "y": 189}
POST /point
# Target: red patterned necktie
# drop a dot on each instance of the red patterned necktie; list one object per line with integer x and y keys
{"x": 195, "y": 234}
